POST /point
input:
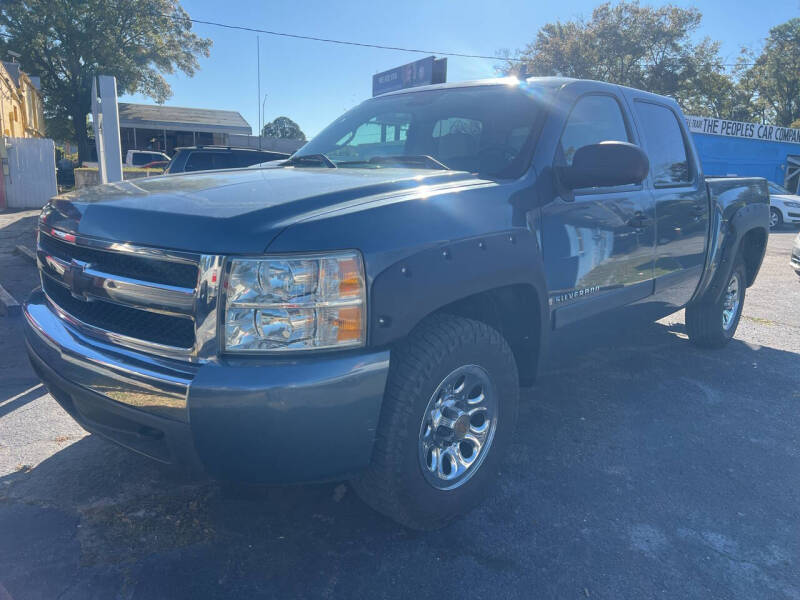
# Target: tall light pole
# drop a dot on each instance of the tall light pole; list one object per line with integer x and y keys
{"x": 258, "y": 63}
{"x": 263, "y": 119}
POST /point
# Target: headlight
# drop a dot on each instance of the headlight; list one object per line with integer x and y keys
{"x": 295, "y": 303}
{"x": 791, "y": 204}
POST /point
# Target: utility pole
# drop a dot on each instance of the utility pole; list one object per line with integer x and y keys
{"x": 263, "y": 118}
{"x": 258, "y": 62}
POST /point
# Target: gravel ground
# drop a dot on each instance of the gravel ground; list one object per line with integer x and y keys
{"x": 642, "y": 468}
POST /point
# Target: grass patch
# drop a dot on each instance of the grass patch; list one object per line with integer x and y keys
{"x": 124, "y": 532}
{"x": 759, "y": 320}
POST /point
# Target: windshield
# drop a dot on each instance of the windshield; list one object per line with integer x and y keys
{"x": 777, "y": 189}
{"x": 485, "y": 130}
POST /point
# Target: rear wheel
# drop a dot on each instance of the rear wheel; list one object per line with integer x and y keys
{"x": 712, "y": 325}
{"x": 448, "y": 415}
{"x": 775, "y": 218}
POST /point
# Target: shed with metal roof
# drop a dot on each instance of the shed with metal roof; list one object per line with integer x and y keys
{"x": 164, "y": 128}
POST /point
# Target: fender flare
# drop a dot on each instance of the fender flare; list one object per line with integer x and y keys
{"x": 751, "y": 217}
{"x": 412, "y": 288}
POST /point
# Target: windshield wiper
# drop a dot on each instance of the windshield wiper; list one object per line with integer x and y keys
{"x": 315, "y": 158}
{"x": 410, "y": 159}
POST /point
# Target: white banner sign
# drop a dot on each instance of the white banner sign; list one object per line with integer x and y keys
{"x": 755, "y": 131}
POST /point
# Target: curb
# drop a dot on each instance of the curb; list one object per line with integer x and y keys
{"x": 8, "y": 305}
{"x": 26, "y": 252}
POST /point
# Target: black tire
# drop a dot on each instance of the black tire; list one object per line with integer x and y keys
{"x": 704, "y": 320}
{"x": 776, "y": 218}
{"x": 395, "y": 484}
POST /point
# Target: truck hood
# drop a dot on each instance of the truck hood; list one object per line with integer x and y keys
{"x": 227, "y": 212}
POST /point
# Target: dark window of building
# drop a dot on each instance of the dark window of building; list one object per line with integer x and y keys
{"x": 184, "y": 138}
{"x": 205, "y": 139}
{"x": 665, "y": 144}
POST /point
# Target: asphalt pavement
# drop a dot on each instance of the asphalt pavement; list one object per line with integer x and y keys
{"x": 642, "y": 468}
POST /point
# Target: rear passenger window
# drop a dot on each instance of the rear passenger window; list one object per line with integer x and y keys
{"x": 593, "y": 119}
{"x": 665, "y": 146}
{"x": 246, "y": 159}
{"x": 207, "y": 161}
{"x": 199, "y": 161}
{"x": 223, "y": 160}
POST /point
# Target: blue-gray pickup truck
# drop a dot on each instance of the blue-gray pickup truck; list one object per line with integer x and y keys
{"x": 368, "y": 309}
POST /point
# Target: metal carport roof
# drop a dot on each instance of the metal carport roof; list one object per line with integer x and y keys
{"x": 176, "y": 118}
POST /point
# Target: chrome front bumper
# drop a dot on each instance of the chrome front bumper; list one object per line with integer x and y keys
{"x": 157, "y": 386}
{"x": 272, "y": 420}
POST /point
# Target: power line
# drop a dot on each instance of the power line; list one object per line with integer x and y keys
{"x": 345, "y": 42}
{"x": 368, "y": 45}
{"x": 362, "y": 44}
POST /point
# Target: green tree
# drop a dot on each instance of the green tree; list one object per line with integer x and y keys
{"x": 283, "y": 127}
{"x": 774, "y": 79}
{"x": 639, "y": 46}
{"x": 68, "y": 42}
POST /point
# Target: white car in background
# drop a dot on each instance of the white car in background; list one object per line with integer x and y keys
{"x": 784, "y": 207}
{"x": 140, "y": 158}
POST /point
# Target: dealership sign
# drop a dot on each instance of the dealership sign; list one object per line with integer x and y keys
{"x": 421, "y": 72}
{"x": 754, "y": 131}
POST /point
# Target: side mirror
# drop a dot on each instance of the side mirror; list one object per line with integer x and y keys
{"x": 604, "y": 165}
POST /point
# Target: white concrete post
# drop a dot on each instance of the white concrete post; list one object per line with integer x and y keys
{"x": 106, "y": 128}
{"x": 97, "y": 128}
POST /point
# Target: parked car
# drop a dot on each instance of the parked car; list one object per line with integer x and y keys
{"x": 139, "y": 158}
{"x": 784, "y": 206}
{"x": 65, "y": 173}
{"x": 213, "y": 158}
{"x": 795, "y": 260}
{"x": 369, "y": 309}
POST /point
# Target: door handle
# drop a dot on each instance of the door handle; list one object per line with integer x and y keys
{"x": 639, "y": 221}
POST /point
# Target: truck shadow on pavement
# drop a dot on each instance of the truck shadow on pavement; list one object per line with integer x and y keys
{"x": 17, "y": 273}
{"x": 635, "y": 455}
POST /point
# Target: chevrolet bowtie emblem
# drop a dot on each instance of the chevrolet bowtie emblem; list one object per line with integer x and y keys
{"x": 77, "y": 280}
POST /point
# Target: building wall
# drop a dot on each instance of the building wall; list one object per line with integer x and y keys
{"x": 11, "y": 107}
{"x": 21, "y": 108}
{"x": 745, "y": 157}
{"x": 167, "y": 140}
{"x": 34, "y": 107}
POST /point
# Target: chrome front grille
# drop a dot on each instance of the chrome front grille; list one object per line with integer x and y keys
{"x": 181, "y": 274}
{"x": 159, "y": 301}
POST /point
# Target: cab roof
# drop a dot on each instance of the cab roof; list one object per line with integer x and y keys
{"x": 550, "y": 83}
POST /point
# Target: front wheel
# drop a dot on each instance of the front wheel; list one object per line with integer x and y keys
{"x": 448, "y": 414}
{"x": 712, "y": 325}
{"x": 775, "y": 218}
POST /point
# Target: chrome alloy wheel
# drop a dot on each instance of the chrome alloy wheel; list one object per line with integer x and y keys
{"x": 730, "y": 303}
{"x": 458, "y": 427}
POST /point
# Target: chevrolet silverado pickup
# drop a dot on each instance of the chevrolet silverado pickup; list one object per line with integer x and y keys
{"x": 367, "y": 309}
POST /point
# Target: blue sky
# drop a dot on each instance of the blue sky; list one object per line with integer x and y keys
{"x": 314, "y": 82}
